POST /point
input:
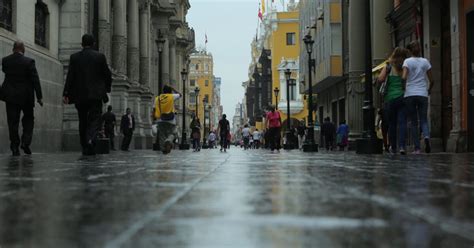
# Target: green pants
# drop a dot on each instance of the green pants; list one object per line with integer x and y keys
{"x": 166, "y": 133}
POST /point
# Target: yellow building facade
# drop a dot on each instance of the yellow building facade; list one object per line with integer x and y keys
{"x": 285, "y": 49}
{"x": 201, "y": 75}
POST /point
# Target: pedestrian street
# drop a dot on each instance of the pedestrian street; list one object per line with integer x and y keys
{"x": 250, "y": 198}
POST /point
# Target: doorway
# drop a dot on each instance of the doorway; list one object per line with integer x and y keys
{"x": 470, "y": 79}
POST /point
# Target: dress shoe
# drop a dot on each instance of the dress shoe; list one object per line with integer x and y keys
{"x": 26, "y": 149}
{"x": 15, "y": 152}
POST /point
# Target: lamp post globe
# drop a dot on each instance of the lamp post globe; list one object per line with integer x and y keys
{"x": 184, "y": 144}
{"x": 310, "y": 145}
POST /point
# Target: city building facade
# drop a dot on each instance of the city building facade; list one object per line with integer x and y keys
{"x": 144, "y": 41}
{"x": 201, "y": 76}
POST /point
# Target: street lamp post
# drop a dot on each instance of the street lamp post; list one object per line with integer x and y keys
{"x": 209, "y": 109}
{"x": 289, "y": 137}
{"x": 184, "y": 144}
{"x": 161, "y": 43}
{"x": 369, "y": 143}
{"x": 276, "y": 91}
{"x": 310, "y": 145}
{"x": 196, "y": 95}
{"x": 204, "y": 143}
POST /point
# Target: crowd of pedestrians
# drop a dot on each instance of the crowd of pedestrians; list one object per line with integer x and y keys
{"x": 406, "y": 83}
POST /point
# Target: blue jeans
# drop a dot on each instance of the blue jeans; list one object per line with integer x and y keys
{"x": 395, "y": 112}
{"x": 417, "y": 109}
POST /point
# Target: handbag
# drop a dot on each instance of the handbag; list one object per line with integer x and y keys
{"x": 383, "y": 90}
{"x": 165, "y": 116}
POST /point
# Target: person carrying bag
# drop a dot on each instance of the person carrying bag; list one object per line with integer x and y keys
{"x": 165, "y": 116}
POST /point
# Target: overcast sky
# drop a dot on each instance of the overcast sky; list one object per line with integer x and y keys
{"x": 230, "y": 26}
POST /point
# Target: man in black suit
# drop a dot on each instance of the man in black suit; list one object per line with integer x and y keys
{"x": 127, "y": 126}
{"x": 109, "y": 126}
{"x": 18, "y": 91}
{"x": 87, "y": 84}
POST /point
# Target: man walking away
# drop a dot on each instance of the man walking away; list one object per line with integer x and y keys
{"x": 224, "y": 130}
{"x": 109, "y": 126}
{"x": 127, "y": 126}
{"x": 18, "y": 91}
{"x": 328, "y": 130}
{"x": 165, "y": 115}
{"x": 196, "y": 134}
{"x": 87, "y": 84}
{"x": 415, "y": 71}
{"x": 246, "y": 136}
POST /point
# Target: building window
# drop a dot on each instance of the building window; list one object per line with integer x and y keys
{"x": 206, "y": 83}
{"x": 197, "y": 67}
{"x": 192, "y": 83}
{"x": 293, "y": 90}
{"x": 192, "y": 98}
{"x": 6, "y": 14}
{"x": 290, "y": 39}
{"x": 41, "y": 23}
{"x": 206, "y": 98}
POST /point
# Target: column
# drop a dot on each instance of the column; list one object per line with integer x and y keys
{"x": 133, "y": 59}
{"x": 119, "y": 38}
{"x": 144, "y": 45}
{"x": 165, "y": 62}
{"x": 355, "y": 89}
{"x": 104, "y": 28}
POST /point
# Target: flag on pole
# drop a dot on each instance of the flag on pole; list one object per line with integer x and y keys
{"x": 260, "y": 15}
{"x": 206, "y": 38}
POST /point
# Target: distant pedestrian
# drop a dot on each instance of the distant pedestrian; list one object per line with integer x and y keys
{"x": 328, "y": 131}
{"x": 415, "y": 71}
{"x": 394, "y": 104}
{"x": 301, "y": 131}
{"x": 273, "y": 125}
{"x": 196, "y": 134}
{"x": 127, "y": 126}
{"x": 87, "y": 84}
{"x": 246, "y": 136}
{"x": 224, "y": 130}
{"x": 18, "y": 91}
{"x": 212, "y": 140}
{"x": 166, "y": 117}
{"x": 256, "y": 135}
{"x": 342, "y": 135}
{"x": 109, "y": 126}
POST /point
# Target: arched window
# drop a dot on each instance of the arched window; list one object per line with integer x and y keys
{"x": 6, "y": 14}
{"x": 41, "y": 23}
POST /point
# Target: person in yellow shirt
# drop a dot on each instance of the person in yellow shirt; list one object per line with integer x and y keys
{"x": 166, "y": 118}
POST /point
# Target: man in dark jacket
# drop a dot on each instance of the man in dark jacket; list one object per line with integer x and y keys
{"x": 18, "y": 91}
{"x": 109, "y": 126}
{"x": 328, "y": 131}
{"x": 87, "y": 84}
{"x": 127, "y": 126}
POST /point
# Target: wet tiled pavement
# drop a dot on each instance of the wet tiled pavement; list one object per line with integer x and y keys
{"x": 237, "y": 199}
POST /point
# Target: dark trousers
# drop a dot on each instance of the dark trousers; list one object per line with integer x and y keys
{"x": 109, "y": 133}
{"x": 274, "y": 138}
{"x": 28, "y": 122}
{"x": 329, "y": 142}
{"x": 127, "y": 139}
{"x": 224, "y": 140}
{"x": 396, "y": 116}
{"x": 417, "y": 109}
{"x": 89, "y": 122}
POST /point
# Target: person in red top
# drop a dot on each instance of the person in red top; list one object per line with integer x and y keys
{"x": 273, "y": 124}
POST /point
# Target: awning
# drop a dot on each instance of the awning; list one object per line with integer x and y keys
{"x": 375, "y": 71}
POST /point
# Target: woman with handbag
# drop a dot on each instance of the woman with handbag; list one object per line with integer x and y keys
{"x": 165, "y": 115}
{"x": 392, "y": 92}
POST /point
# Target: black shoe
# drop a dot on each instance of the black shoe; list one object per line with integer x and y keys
{"x": 15, "y": 152}
{"x": 26, "y": 149}
{"x": 427, "y": 145}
